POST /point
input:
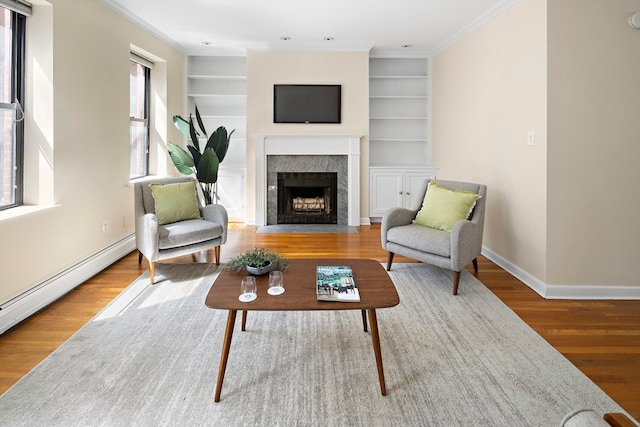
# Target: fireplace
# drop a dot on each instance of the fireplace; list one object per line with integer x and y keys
{"x": 307, "y": 198}
{"x": 309, "y": 153}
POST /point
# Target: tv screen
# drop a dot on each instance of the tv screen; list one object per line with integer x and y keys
{"x": 306, "y": 103}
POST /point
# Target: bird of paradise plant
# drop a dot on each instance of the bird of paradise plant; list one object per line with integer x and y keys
{"x": 203, "y": 163}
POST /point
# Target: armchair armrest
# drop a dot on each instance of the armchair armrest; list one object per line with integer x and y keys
{"x": 147, "y": 235}
{"x": 217, "y": 213}
{"x": 466, "y": 243}
{"x": 394, "y": 217}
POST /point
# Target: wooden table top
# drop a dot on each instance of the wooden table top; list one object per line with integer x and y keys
{"x": 374, "y": 284}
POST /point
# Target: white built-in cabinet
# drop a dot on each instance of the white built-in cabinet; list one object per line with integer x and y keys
{"x": 218, "y": 85}
{"x": 399, "y": 160}
{"x": 393, "y": 187}
{"x": 231, "y": 185}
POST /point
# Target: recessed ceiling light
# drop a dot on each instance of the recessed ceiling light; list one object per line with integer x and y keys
{"x": 207, "y": 43}
{"x": 285, "y": 38}
{"x": 328, "y": 39}
{"x": 405, "y": 46}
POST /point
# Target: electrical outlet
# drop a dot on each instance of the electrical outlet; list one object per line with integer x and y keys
{"x": 105, "y": 227}
{"x": 531, "y": 138}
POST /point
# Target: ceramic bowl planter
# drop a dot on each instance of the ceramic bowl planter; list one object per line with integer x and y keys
{"x": 259, "y": 271}
{"x": 257, "y": 261}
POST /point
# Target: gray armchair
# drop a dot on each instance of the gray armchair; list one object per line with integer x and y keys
{"x": 452, "y": 250}
{"x": 159, "y": 242}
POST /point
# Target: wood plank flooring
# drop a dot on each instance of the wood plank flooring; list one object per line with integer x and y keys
{"x": 602, "y": 338}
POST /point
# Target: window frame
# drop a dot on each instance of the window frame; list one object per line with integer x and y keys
{"x": 145, "y": 119}
{"x": 18, "y": 31}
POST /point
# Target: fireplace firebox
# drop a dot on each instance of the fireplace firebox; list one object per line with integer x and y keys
{"x": 307, "y": 198}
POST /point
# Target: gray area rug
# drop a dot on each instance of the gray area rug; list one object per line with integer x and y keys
{"x": 151, "y": 359}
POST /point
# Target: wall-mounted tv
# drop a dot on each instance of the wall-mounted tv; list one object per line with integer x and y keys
{"x": 306, "y": 103}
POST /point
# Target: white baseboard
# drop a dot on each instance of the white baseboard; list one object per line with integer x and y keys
{"x": 16, "y": 310}
{"x": 365, "y": 221}
{"x": 594, "y": 292}
{"x": 551, "y": 291}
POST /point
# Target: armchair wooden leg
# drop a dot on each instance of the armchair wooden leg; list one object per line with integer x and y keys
{"x": 217, "y": 253}
{"x": 389, "y": 261}
{"x": 475, "y": 264}
{"x": 456, "y": 281}
{"x": 139, "y": 257}
{"x": 151, "y": 270}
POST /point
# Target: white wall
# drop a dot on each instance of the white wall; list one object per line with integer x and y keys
{"x": 489, "y": 90}
{"x": 565, "y": 212}
{"x": 77, "y": 133}
{"x": 350, "y": 69}
{"x": 593, "y": 235}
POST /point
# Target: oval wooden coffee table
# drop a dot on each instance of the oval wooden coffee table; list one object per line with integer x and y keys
{"x": 374, "y": 284}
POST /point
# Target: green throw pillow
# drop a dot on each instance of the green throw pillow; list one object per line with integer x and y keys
{"x": 442, "y": 207}
{"x": 175, "y": 202}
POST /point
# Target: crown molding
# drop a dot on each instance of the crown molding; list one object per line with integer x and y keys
{"x": 506, "y": 4}
{"x": 135, "y": 20}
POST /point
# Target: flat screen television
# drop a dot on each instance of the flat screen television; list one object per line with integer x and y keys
{"x": 306, "y": 103}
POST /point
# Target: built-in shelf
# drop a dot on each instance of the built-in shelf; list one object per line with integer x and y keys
{"x": 398, "y": 122}
{"x": 217, "y": 84}
{"x": 397, "y": 118}
{"x": 397, "y": 77}
{"x": 206, "y": 77}
{"x": 398, "y": 96}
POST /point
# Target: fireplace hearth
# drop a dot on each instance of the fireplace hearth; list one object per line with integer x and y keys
{"x": 307, "y": 198}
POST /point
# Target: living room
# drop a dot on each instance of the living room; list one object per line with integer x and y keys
{"x": 560, "y": 68}
{"x": 541, "y": 204}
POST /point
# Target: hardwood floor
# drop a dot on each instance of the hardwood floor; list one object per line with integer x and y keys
{"x": 602, "y": 338}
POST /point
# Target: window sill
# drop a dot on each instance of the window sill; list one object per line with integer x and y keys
{"x": 24, "y": 210}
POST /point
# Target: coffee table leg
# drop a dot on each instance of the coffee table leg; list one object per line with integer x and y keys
{"x": 376, "y": 348}
{"x": 244, "y": 320}
{"x": 228, "y": 334}
{"x": 364, "y": 319}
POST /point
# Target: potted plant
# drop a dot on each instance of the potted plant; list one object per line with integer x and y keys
{"x": 204, "y": 164}
{"x": 257, "y": 261}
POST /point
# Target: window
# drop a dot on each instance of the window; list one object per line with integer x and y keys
{"x": 138, "y": 120}
{"x": 12, "y": 38}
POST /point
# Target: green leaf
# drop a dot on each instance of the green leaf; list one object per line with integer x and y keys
{"x": 181, "y": 159}
{"x": 208, "y": 166}
{"x": 216, "y": 138}
{"x": 182, "y": 125}
{"x": 199, "y": 119}
{"x": 195, "y": 154}
{"x": 219, "y": 141}
{"x": 222, "y": 151}
{"x": 193, "y": 133}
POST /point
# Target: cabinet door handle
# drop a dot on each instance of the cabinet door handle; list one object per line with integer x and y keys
{"x": 408, "y": 194}
{"x": 400, "y": 192}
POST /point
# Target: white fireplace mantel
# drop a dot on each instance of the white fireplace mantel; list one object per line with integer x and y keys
{"x": 308, "y": 145}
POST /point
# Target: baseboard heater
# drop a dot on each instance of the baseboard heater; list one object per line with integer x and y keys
{"x": 24, "y": 305}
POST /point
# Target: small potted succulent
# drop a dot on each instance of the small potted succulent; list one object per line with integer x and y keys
{"x": 257, "y": 261}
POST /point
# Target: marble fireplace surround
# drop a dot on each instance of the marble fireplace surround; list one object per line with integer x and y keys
{"x": 308, "y": 145}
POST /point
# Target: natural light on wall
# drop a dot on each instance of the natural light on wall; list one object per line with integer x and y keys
{"x": 39, "y": 132}
{"x": 160, "y": 131}
{"x": 42, "y": 110}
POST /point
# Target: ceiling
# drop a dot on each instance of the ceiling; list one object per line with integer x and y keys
{"x": 381, "y": 26}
